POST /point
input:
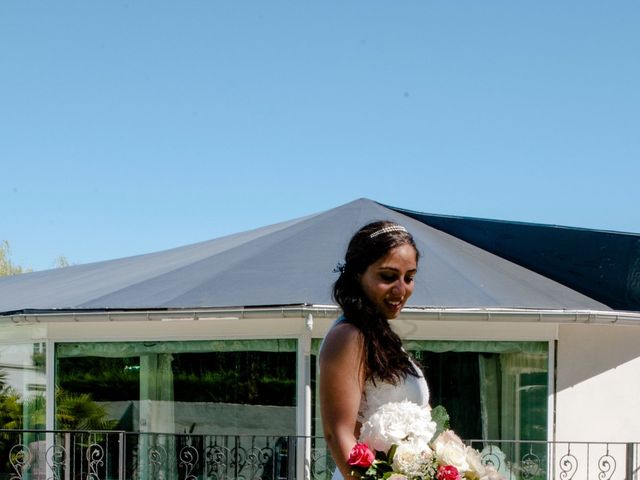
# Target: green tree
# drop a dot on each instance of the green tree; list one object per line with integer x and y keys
{"x": 79, "y": 412}
{"x": 61, "y": 261}
{"x": 73, "y": 411}
{"x": 7, "y": 267}
{"x": 10, "y": 409}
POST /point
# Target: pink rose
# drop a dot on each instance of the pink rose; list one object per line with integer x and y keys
{"x": 448, "y": 472}
{"x": 361, "y": 456}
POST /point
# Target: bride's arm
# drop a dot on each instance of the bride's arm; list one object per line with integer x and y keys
{"x": 341, "y": 384}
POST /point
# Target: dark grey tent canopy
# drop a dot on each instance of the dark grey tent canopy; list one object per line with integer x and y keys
{"x": 603, "y": 265}
{"x": 289, "y": 263}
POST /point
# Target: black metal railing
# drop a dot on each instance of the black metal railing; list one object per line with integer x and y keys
{"x": 119, "y": 455}
{"x": 534, "y": 460}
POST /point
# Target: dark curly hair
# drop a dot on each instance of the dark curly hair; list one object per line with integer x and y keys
{"x": 385, "y": 358}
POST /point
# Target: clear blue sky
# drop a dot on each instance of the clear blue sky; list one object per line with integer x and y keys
{"x": 128, "y": 127}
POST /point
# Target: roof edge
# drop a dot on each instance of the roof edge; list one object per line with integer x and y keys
{"x": 599, "y": 317}
{"x": 406, "y": 211}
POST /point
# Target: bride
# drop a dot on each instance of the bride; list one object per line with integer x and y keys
{"x": 362, "y": 362}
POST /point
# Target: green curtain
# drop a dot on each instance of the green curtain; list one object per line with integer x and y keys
{"x": 512, "y": 383}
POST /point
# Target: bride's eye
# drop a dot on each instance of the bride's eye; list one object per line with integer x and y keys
{"x": 387, "y": 277}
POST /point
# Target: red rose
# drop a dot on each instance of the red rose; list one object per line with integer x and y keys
{"x": 448, "y": 472}
{"x": 361, "y": 456}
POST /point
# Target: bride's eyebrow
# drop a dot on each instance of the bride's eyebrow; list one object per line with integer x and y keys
{"x": 393, "y": 269}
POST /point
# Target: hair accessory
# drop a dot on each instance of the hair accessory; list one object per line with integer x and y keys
{"x": 340, "y": 267}
{"x": 390, "y": 228}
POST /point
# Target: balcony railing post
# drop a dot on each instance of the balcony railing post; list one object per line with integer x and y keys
{"x": 292, "y": 460}
{"x": 121, "y": 457}
{"x": 68, "y": 457}
{"x": 48, "y": 454}
{"x": 630, "y": 464}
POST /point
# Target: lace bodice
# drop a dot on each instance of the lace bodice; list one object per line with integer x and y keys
{"x": 412, "y": 388}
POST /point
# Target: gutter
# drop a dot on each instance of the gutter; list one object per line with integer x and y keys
{"x": 327, "y": 311}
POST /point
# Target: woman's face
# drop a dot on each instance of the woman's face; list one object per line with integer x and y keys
{"x": 388, "y": 282}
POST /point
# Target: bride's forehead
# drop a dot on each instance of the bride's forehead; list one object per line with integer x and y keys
{"x": 401, "y": 255}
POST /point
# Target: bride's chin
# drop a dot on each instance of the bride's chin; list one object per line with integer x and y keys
{"x": 391, "y": 315}
{"x": 388, "y": 311}
{"x": 393, "y": 312}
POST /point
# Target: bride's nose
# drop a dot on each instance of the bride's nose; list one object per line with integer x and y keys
{"x": 399, "y": 288}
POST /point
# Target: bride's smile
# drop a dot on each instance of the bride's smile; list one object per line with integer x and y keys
{"x": 388, "y": 282}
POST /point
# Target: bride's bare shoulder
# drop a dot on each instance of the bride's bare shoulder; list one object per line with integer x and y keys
{"x": 342, "y": 339}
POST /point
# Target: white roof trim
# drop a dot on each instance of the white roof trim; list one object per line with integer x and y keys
{"x": 330, "y": 311}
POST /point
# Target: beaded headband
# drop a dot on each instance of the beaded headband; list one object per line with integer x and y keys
{"x": 390, "y": 228}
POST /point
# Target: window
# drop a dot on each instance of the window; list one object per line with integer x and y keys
{"x": 212, "y": 387}
{"x": 22, "y": 386}
{"x": 491, "y": 390}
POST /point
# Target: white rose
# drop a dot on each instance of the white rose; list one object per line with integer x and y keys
{"x": 409, "y": 458}
{"x": 491, "y": 474}
{"x": 448, "y": 436}
{"x": 395, "y": 423}
{"x": 451, "y": 451}
{"x": 475, "y": 463}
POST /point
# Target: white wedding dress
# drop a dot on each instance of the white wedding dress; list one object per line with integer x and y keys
{"x": 414, "y": 389}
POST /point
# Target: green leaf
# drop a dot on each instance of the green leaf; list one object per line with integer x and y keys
{"x": 441, "y": 417}
{"x": 392, "y": 452}
{"x": 371, "y": 471}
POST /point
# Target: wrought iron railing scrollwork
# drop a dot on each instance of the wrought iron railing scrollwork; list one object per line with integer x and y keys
{"x": 56, "y": 458}
{"x": 531, "y": 465}
{"x": 568, "y": 465}
{"x": 157, "y": 461}
{"x": 322, "y": 464}
{"x": 95, "y": 456}
{"x": 606, "y": 466}
{"x": 246, "y": 458}
{"x": 217, "y": 461}
{"x": 20, "y": 459}
{"x": 188, "y": 458}
{"x": 56, "y": 455}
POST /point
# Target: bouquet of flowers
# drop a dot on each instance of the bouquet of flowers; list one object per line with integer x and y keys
{"x": 401, "y": 441}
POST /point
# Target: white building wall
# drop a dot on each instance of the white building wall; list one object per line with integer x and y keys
{"x": 597, "y": 380}
{"x": 598, "y": 383}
